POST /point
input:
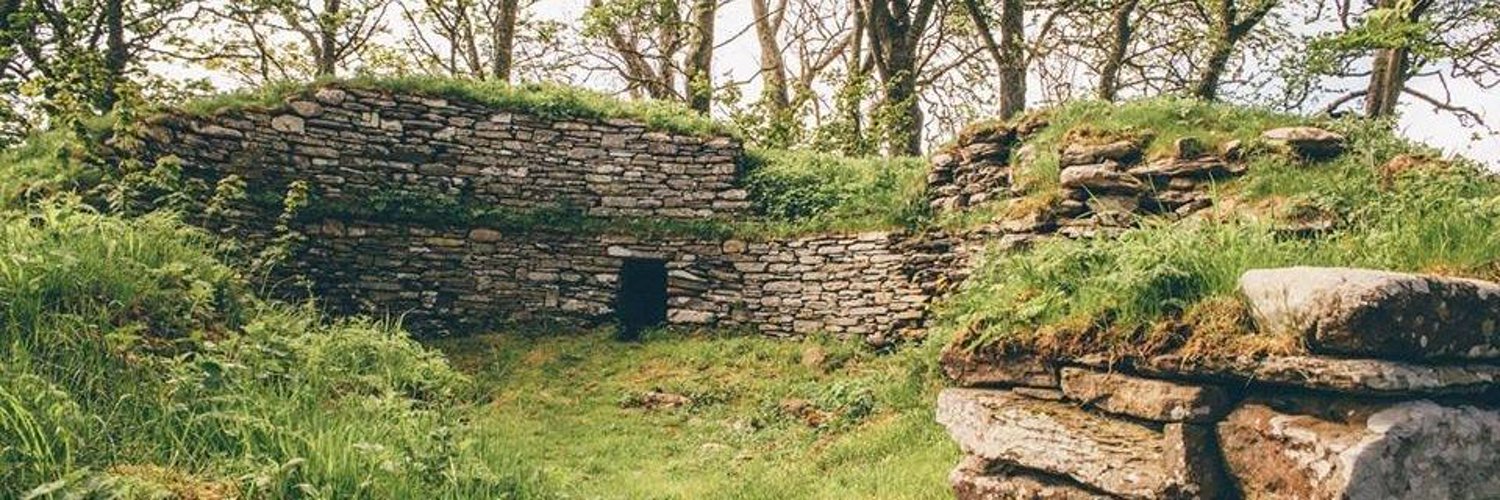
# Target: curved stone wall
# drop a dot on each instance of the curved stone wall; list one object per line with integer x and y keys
{"x": 352, "y": 146}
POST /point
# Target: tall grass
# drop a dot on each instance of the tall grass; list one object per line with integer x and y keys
{"x": 133, "y": 362}
{"x": 1165, "y": 285}
{"x": 804, "y": 191}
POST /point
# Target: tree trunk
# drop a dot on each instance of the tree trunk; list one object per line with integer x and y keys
{"x": 700, "y": 86}
{"x": 504, "y": 40}
{"x": 1389, "y": 70}
{"x": 326, "y": 54}
{"x": 772, "y": 64}
{"x": 1121, "y": 32}
{"x": 1228, "y": 29}
{"x": 1221, "y": 46}
{"x": 894, "y": 31}
{"x": 116, "y": 54}
{"x": 1005, "y": 87}
{"x": 1013, "y": 66}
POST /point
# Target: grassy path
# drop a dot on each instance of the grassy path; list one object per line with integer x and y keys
{"x": 767, "y": 418}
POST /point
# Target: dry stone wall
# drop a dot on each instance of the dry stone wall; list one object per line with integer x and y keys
{"x": 352, "y": 146}
{"x": 868, "y": 285}
{"x": 356, "y": 144}
{"x": 1354, "y": 418}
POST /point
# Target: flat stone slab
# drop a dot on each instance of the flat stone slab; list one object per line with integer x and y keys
{"x": 1369, "y": 313}
{"x": 1118, "y": 457}
{"x": 1309, "y": 142}
{"x": 1410, "y": 450}
{"x": 982, "y": 369}
{"x": 1149, "y": 399}
{"x": 971, "y": 481}
{"x": 1372, "y": 377}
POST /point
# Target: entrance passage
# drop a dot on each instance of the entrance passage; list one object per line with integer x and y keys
{"x": 642, "y": 299}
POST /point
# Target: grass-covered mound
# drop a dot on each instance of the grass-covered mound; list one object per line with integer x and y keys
{"x": 1386, "y": 204}
{"x": 134, "y": 363}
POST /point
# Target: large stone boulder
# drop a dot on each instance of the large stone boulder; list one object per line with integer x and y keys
{"x": 974, "y": 479}
{"x": 1100, "y": 178}
{"x": 1057, "y": 438}
{"x": 1085, "y": 154}
{"x": 1361, "y": 312}
{"x": 1148, "y": 399}
{"x": 1410, "y": 450}
{"x": 1370, "y": 377}
{"x": 987, "y": 369}
{"x": 1307, "y": 142}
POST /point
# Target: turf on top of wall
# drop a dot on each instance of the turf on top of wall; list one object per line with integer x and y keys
{"x": 545, "y": 100}
{"x": 1170, "y": 287}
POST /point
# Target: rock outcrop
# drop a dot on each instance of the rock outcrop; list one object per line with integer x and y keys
{"x": 1361, "y": 312}
{"x": 1413, "y": 449}
{"x": 1305, "y": 426}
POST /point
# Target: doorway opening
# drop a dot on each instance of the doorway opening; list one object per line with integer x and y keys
{"x": 641, "y": 301}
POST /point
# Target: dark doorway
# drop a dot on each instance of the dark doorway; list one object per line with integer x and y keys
{"x": 642, "y": 299}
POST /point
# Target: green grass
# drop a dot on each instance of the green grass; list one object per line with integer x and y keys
{"x": 1159, "y": 121}
{"x": 133, "y": 362}
{"x": 798, "y": 192}
{"x": 1170, "y": 287}
{"x": 545, "y": 100}
{"x": 564, "y": 404}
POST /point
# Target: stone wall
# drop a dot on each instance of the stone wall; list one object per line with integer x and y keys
{"x": 1398, "y": 398}
{"x": 871, "y": 285}
{"x": 354, "y": 144}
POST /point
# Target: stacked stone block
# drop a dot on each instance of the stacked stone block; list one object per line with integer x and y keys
{"x": 458, "y": 280}
{"x": 1398, "y": 397}
{"x": 353, "y": 145}
{"x": 357, "y": 144}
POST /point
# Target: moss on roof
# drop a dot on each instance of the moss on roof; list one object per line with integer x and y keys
{"x": 542, "y": 99}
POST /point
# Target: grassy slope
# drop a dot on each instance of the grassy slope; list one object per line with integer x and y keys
{"x": 558, "y": 402}
{"x": 134, "y": 363}
{"x": 1170, "y": 286}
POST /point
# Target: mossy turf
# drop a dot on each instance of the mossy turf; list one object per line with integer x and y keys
{"x": 545, "y": 100}
{"x": 569, "y": 406}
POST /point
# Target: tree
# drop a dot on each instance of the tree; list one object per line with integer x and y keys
{"x": 62, "y": 57}
{"x": 1412, "y": 44}
{"x": 1230, "y": 21}
{"x": 259, "y": 37}
{"x": 1008, "y": 53}
{"x": 475, "y": 38}
{"x": 894, "y": 29}
{"x": 1120, "y": 34}
{"x": 700, "y": 85}
{"x": 648, "y": 50}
